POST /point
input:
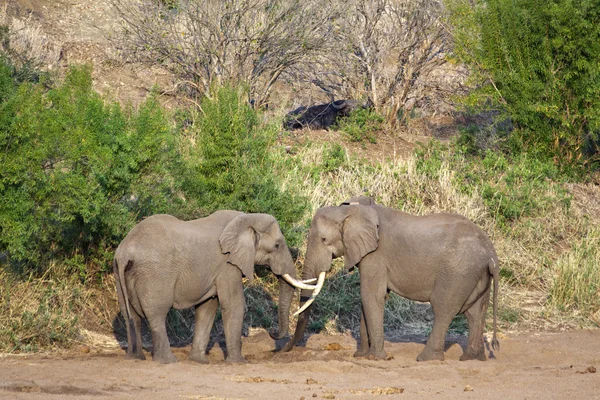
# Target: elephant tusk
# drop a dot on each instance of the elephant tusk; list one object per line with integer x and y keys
{"x": 314, "y": 295}
{"x": 309, "y": 280}
{"x": 297, "y": 283}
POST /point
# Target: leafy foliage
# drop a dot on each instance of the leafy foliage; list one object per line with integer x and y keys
{"x": 537, "y": 62}
{"x": 361, "y": 124}
{"x": 77, "y": 173}
{"x": 512, "y": 187}
{"x": 235, "y": 164}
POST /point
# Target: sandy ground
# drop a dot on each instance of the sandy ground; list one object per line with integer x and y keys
{"x": 529, "y": 366}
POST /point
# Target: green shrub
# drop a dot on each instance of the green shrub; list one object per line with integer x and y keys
{"x": 511, "y": 187}
{"x": 334, "y": 156}
{"x": 236, "y": 165}
{"x": 360, "y": 125}
{"x": 77, "y": 173}
{"x": 537, "y": 63}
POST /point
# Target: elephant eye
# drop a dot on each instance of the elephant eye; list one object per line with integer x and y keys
{"x": 323, "y": 239}
{"x": 276, "y": 246}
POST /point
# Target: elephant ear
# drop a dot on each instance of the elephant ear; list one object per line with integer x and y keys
{"x": 360, "y": 234}
{"x": 239, "y": 240}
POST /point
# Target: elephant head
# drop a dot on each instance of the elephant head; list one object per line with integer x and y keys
{"x": 255, "y": 239}
{"x": 349, "y": 230}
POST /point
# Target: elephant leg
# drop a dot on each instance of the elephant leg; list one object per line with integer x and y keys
{"x": 434, "y": 348}
{"x": 205, "y": 318}
{"x": 161, "y": 349}
{"x": 363, "y": 347}
{"x": 133, "y": 325}
{"x": 446, "y": 304}
{"x": 136, "y": 351}
{"x": 231, "y": 296}
{"x": 476, "y": 317}
{"x": 373, "y": 293}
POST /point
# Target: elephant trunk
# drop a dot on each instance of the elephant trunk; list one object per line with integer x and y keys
{"x": 300, "y": 326}
{"x": 316, "y": 262}
{"x": 304, "y": 316}
{"x": 286, "y": 293}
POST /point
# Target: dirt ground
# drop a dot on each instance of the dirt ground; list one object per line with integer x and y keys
{"x": 528, "y": 366}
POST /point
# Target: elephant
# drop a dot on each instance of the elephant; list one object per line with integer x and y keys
{"x": 164, "y": 262}
{"x": 441, "y": 258}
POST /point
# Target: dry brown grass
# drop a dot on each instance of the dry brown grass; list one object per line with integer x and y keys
{"x": 27, "y": 43}
{"x": 551, "y": 278}
{"x": 49, "y": 311}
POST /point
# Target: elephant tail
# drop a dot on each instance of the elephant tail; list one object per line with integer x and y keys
{"x": 122, "y": 288}
{"x": 495, "y": 272}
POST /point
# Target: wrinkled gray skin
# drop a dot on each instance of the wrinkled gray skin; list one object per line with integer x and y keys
{"x": 444, "y": 259}
{"x": 164, "y": 262}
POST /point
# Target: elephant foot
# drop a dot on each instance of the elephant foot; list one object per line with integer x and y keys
{"x": 428, "y": 355}
{"x": 378, "y": 355}
{"x": 164, "y": 358}
{"x": 236, "y": 360}
{"x": 199, "y": 358}
{"x": 479, "y": 356}
{"x": 360, "y": 353}
{"x": 135, "y": 356}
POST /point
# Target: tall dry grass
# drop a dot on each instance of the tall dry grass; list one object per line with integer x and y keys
{"x": 50, "y": 311}
{"x": 549, "y": 262}
{"x": 26, "y": 44}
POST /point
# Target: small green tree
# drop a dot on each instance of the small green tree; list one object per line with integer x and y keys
{"x": 234, "y": 163}
{"x": 76, "y": 173}
{"x": 537, "y": 62}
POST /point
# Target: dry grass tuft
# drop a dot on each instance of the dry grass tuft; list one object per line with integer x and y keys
{"x": 26, "y": 44}
{"x": 576, "y": 284}
{"x": 393, "y": 184}
{"x": 549, "y": 261}
{"x": 50, "y": 311}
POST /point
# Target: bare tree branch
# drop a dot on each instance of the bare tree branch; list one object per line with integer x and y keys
{"x": 252, "y": 42}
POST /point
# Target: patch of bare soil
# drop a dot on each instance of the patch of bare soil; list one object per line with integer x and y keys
{"x": 79, "y": 31}
{"x": 529, "y": 366}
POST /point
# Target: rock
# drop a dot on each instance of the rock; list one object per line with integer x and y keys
{"x": 333, "y": 346}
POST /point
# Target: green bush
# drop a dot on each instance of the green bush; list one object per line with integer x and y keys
{"x": 537, "y": 63}
{"x": 334, "y": 157}
{"x": 235, "y": 163}
{"x": 77, "y": 173}
{"x": 361, "y": 125}
{"x": 511, "y": 187}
